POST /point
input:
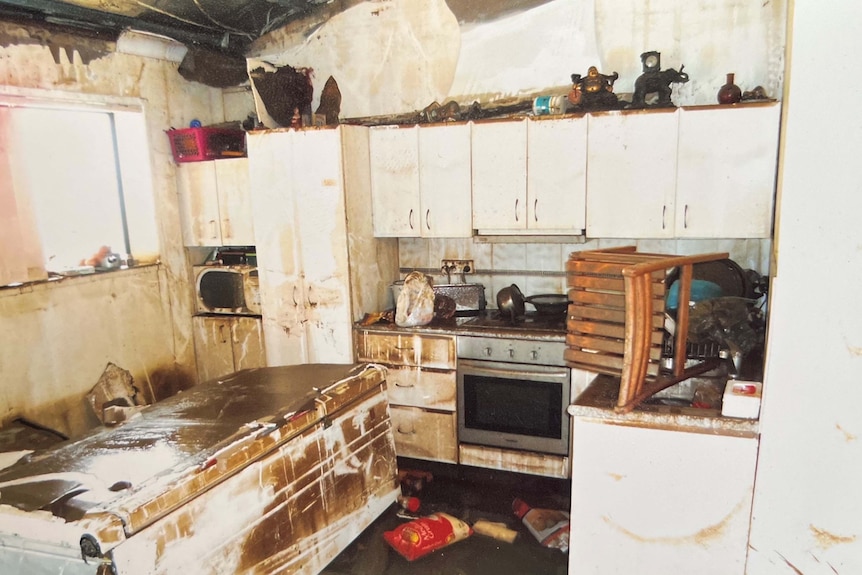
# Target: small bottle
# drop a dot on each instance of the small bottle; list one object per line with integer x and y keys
{"x": 730, "y": 92}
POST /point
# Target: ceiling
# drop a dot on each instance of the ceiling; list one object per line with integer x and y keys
{"x": 227, "y": 26}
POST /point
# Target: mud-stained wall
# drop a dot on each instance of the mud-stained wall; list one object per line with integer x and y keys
{"x": 398, "y": 56}
{"x": 57, "y": 338}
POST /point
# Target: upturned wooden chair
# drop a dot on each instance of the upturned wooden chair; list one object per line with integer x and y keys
{"x": 616, "y": 320}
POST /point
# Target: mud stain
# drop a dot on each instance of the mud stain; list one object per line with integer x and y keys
{"x": 701, "y": 537}
{"x": 848, "y": 437}
{"x": 826, "y": 539}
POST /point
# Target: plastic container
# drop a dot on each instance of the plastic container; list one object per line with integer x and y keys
{"x": 201, "y": 144}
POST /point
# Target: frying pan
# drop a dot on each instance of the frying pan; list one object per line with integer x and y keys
{"x": 549, "y": 303}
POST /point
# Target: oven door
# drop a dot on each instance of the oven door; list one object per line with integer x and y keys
{"x": 514, "y": 406}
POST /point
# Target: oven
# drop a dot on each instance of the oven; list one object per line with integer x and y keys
{"x": 513, "y": 394}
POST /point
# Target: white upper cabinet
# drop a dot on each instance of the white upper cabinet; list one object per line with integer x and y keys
{"x": 444, "y": 181}
{"x": 500, "y": 175}
{"x": 420, "y": 179}
{"x": 529, "y": 176}
{"x": 395, "y": 181}
{"x": 557, "y": 175}
{"x": 726, "y": 171}
{"x": 631, "y": 175}
{"x": 214, "y": 202}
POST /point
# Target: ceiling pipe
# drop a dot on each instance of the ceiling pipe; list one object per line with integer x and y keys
{"x": 149, "y": 45}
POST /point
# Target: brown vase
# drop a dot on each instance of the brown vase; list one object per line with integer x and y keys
{"x": 730, "y": 92}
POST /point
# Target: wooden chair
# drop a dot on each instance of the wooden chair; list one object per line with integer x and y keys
{"x": 616, "y": 319}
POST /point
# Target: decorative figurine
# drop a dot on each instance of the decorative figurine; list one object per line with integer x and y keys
{"x": 594, "y": 91}
{"x": 654, "y": 80}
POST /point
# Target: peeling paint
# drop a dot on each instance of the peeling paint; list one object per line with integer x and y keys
{"x": 826, "y": 539}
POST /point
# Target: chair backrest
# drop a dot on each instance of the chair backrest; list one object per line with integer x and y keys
{"x": 616, "y": 321}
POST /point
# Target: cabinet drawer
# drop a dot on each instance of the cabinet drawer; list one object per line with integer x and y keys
{"x": 424, "y": 434}
{"x": 407, "y": 349}
{"x": 419, "y": 387}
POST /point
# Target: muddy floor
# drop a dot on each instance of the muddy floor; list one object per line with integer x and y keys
{"x": 470, "y": 494}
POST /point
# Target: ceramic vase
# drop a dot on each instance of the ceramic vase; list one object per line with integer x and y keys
{"x": 730, "y": 92}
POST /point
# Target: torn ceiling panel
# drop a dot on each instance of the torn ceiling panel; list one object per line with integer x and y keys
{"x": 227, "y": 26}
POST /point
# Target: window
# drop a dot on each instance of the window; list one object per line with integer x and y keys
{"x": 80, "y": 180}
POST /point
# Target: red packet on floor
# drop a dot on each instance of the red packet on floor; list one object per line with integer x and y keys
{"x": 426, "y": 534}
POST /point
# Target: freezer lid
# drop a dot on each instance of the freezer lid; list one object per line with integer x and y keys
{"x": 115, "y": 481}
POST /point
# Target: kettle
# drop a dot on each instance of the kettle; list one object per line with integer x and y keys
{"x": 510, "y": 302}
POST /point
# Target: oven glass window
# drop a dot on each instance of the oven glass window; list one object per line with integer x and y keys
{"x": 513, "y": 406}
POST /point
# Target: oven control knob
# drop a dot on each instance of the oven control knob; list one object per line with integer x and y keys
{"x": 488, "y": 351}
{"x": 534, "y": 355}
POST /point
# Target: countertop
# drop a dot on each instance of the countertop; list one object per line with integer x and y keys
{"x": 486, "y": 324}
{"x": 599, "y": 398}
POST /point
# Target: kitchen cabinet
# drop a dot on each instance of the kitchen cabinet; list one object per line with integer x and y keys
{"x": 704, "y": 172}
{"x": 320, "y": 268}
{"x": 631, "y": 180}
{"x": 726, "y": 171}
{"x": 421, "y": 384}
{"x": 215, "y": 209}
{"x": 225, "y": 344}
{"x": 656, "y": 500}
{"x": 529, "y": 176}
{"x": 420, "y": 179}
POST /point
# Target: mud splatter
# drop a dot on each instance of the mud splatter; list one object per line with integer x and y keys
{"x": 826, "y": 539}
{"x": 848, "y": 437}
{"x": 789, "y": 564}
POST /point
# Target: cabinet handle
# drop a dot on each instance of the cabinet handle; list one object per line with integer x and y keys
{"x": 410, "y": 218}
{"x": 214, "y": 228}
{"x": 516, "y": 209}
{"x": 221, "y": 333}
{"x": 663, "y": 212}
{"x": 404, "y": 348}
{"x": 402, "y": 432}
{"x": 295, "y": 302}
{"x": 685, "y": 217}
{"x": 311, "y": 301}
{"x": 536, "y": 210}
{"x": 428, "y": 219}
{"x": 404, "y": 385}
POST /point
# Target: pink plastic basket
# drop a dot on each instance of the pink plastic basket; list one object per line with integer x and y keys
{"x": 199, "y": 144}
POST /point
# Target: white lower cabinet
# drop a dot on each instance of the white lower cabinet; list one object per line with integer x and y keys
{"x": 420, "y": 384}
{"x": 655, "y": 501}
{"x": 225, "y": 344}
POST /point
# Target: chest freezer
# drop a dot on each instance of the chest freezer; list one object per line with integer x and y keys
{"x": 271, "y": 470}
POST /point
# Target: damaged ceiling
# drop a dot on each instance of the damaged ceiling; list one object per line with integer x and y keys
{"x": 224, "y": 26}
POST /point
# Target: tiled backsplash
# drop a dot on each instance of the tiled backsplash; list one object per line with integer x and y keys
{"x": 540, "y": 267}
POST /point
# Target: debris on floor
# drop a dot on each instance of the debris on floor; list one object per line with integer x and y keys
{"x": 550, "y": 527}
{"x": 426, "y": 534}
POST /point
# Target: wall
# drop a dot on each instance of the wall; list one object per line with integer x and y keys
{"x": 58, "y": 337}
{"x": 807, "y": 515}
{"x": 398, "y": 56}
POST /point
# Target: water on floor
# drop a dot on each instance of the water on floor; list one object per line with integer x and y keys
{"x": 470, "y": 494}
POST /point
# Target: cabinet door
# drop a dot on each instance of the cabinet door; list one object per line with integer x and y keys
{"x": 657, "y": 501}
{"x": 320, "y": 231}
{"x": 726, "y": 171}
{"x": 557, "y": 175}
{"x": 395, "y": 181}
{"x": 197, "y": 187}
{"x": 247, "y": 343}
{"x": 631, "y": 181}
{"x": 499, "y": 154}
{"x": 444, "y": 181}
{"x": 234, "y": 202}
{"x": 425, "y": 434}
{"x": 281, "y": 288}
{"x": 213, "y": 347}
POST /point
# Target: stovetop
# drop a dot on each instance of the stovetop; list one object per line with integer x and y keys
{"x": 532, "y": 321}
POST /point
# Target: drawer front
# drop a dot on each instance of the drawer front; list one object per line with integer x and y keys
{"x": 425, "y": 434}
{"x": 433, "y": 351}
{"x": 417, "y": 387}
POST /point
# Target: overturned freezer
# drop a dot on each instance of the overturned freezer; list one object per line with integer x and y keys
{"x": 272, "y": 470}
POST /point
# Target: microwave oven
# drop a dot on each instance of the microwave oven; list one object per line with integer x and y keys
{"x": 227, "y": 289}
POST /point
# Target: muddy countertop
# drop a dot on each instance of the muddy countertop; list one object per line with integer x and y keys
{"x": 598, "y": 400}
{"x": 487, "y": 324}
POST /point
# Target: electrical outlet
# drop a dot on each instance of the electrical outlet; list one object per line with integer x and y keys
{"x": 457, "y": 266}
